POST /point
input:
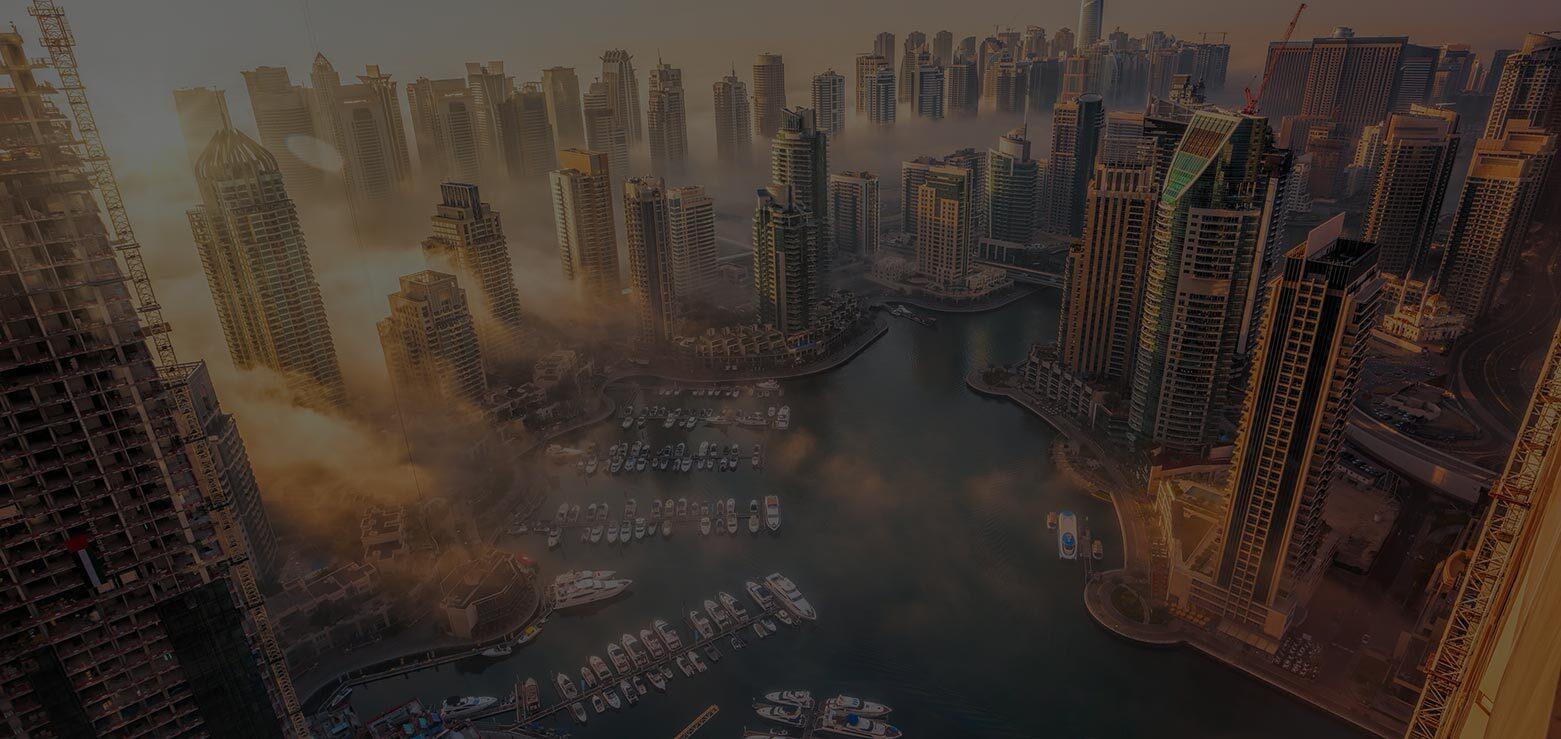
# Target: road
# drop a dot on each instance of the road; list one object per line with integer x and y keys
{"x": 1493, "y": 363}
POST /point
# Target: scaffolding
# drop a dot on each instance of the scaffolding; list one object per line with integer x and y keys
{"x": 1452, "y": 675}
{"x": 57, "y": 39}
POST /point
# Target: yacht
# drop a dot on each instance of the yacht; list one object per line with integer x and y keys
{"x": 639, "y": 685}
{"x": 719, "y": 614}
{"x": 851, "y": 724}
{"x": 590, "y": 466}
{"x": 704, "y": 526}
{"x": 579, "y": 712}
{"x": 785, "y": 618}
{"x": 753, "y": 523}
{"x": 737, "y": 642}
{"x": 720, "y": 509}
{"x": 1067, "y": 535}
{"x": 1097, "y": 550}
{"x": 574, "y": 513}
{"x": 790, "y": 598}
{"x": 530, "y": 696}
{"x": 630, "y": 508}
{"x": 563, "y": 511}
{"x": 772, "y": 512}
{"x": 682, "y": 507}
{"x": 704, "y": 508}
{"x": 731, "y": 523}
{"x": 588, "y": 677}
{"x": 713, "y": 653}
{"x": 783, "y": 418}
{"x": 799, "y": 698}
{"x": 678, "y": 450}
{"x": 639, "y": 528}
{"x": 619, "y": 659}
{"x": 682, "y": 662}
{"x": 704, "y": 449}
{"x": 585, "y": 592}
{"x": 612, "y": 698}
{"x": 852, "y": 704}
{"x": 653, "y": 644}
{"x": 627, "y": 422}
{"x": 617, "y": 465}
{"x": 628, "y": 691}
{"x": 529, "y": 633}
{"x": 758, "y": 630}
{"x": 458, "y": 707}
{"x": 787, "y": 715}
{"x": 1051, "y": 520}
{"x": 655, "y": 509}
{"x": 590, "y": 512}
{"x": 600, "y": 667}
{"x": 666, "y": 528}
{"x": 553, "y": 538}
{"x": 566, "y": 687}
{"x": 656, "y": 680}
{"x": 733, "y": 607}
{"x": 769, "y": 625}
{"x": 585, "y": 534}
{"x": 625, "y": 531}
{"x": 612, "y": 533}
{"x": 502, "y": 650}
{"x": 632, "y": 647}
{"x": 669, "y": 636}
{"x": 759, "y": 595}
{"x": 699, "y": 664}
{"x": 596, "y": 534}
{"x": 686, "y": 464}
{"x": 701, "y": 625}
{"x": 596, "y": 703}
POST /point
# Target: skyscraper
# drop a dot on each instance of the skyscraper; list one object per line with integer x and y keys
{"x": 1302, "y": 387}
{"x": 1076, "y": 126}
{"x": 203, "y": 112}
{"x": 914, "y": 172}
{"x": 733, "y": 135}
{"x": 854, "y": 210}
{"x": 866, "y": 74}
{"x": 1287, "y": 65}
{"x": 829, "y": 101}
{"x": 769, "y": 94}
{"x": 1354, "y": 81}
{"x": 603, "y": 131}
{"x": 880, "y": 97}
{"x": 883, "y": 45}
{"x": 284, "y": 116}
{"x": 943, "y": 47}
{"x": 785, "y": 261}
{"x": 527, "y": 137}
{"x": 1091, "y": 22}
{"x": 623, "y": 93}
{"x": 562, "y": 88}
{"x": 668, "y": 121}
{"x": 1105, "y": 280}
{"x": 1011, "y": 181}
{"x": 962, "y": 88}
{"x": 1003, "y": 88}
{"x": 257, "y": 266}
{"x": 1214, "y": 221}
{"x": 915, "y": 43}
{"x": 1493, "y": 214}
{"x": 444, "y": 127}
{"x": 799, "y": 159}
{"x": 1418, "y": 150}
{"x": 928, "y": 98}
{"x": 650, "y": 258}
{"x": 945, "y": 226}
{"x": 487, "y": 88}
{"x": 1529, "y": 89}
{"x": 467, "y": 240}
{"x": 691, "y": 230}
{"x": 583, "y": 214}
{"x": 430, "y": 344}
{"x": 120, "y": 617}
{"x": 365, "y": 121}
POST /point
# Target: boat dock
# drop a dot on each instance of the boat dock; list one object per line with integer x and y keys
{"x": 512, "y": 705}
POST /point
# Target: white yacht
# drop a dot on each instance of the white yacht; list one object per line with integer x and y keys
{"x": 851, "y": 724}
{"x": 772, "y": 517}
{"x": 701, "y": 625}
{"x": 798, "y": 698}
{"x": 790, "y": 598}
{"x": 786, "y": 715}
{"x": 669, "y": 636}
{"x": 759, "y": 595}
{"x": 719, "y": 614}
{"x": 704, "y": 526}
{"x": 585, "y": 592}
{"x": 632, "y": 647}
{"x": 458, "y": 707}
{"x": 852, "y": 704}
{"x": 653, "y": 644}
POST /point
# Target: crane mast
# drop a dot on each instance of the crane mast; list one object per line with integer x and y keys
{"x": 1250, "y": 108}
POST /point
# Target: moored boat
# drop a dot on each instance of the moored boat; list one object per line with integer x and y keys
{"x": 772, "y": 517}
{"x": 790, "y": 597}
{"x": 1067, "y": 535}
{"x": 457, "y": 706}
{"x": 798, "y": 698}
{"x": 853, "y": 704}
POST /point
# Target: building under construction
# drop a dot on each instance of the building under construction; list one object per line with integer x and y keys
{"x": 1494, "y": 672}
{"x": 129, "y": 607}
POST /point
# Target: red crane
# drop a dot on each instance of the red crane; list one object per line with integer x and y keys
{"x": 1268, "y": 67}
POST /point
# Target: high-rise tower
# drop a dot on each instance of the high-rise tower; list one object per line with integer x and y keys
{"x": 733, "y": 132}
{"x": 583, "y": 214}
{"x": 785, "y": 262}
{"x": 284, "y": 115}
{"x": 829, "y": 101}
{"x": 623, "y": 93}
{"x": 769, "y": 94}
{"x": 562, "y": 87}
{"x": 444, "y": 127}
{"x": 1091, "y": 22}
{"x": 1418, "y": 149}
{"x": 945, "y": 225}
{"x": 691, "y": 231}
{"x": 603, "y": 129}
{"x": 1011, "y": 181}
{"x": 648, "y": 242}
{"x": 467, "y": 240}
{"x": 799, "y": 160}
{"x": 668, "y": 121}
{"x": 203, "y": 112}
{"x": 430, "y": 344}
{"x": 1076, "y": 126}
{"x": 854, "y": 212}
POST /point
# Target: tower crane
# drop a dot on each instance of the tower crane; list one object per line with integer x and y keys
{"x": 1268, "y": 67}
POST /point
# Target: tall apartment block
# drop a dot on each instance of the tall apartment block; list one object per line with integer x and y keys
{"x": 785, "y": 261}
{"x": 623, "y": 93}
{"x": 1418, "y": 149}
{"x": 1076, "y": 127}
{"x": 769, "y": 94}
{"x": 583, "y": 214}
{"x": 467, "y": 239}
{"x": 604, "y": 131}
{"x": 945, "y": 226}
{"x": 915, "y": 42}
{"x": 883, "y": 45}
{"x": 258, "y": 269}
{"x": 668, "y": 121}
{"x": 1494, "y": 209}
{"x": 733, "y": 120}
{"x": 799, "y": 159}
{"x": 1529, "y": 93}
{"x": 880, "y": 97}
{"x": 118, "y": 618}
{"x": 1091, "y": 22}
{"x": 1303, "y": 384}
{"x": 526, "y": 137}
{"x": 1011, "y": 181}
{"x": 284, "y": 115}
{"x": 203, "y": 112}
{"x": 961, "y": 88}
{"x": 829, "y": 101}
{"x": 866, "y": 67}
{"x": 487, "y": 88}
{"x": 561, "y": 86}
{"x": 445, "y": 129}
{"x": 1105, "y": 281}
{"x": 691, "y": 231}
{"x": 364, "y": 120}
{"x": 943, "y": 47}
{"x": 928, "y": 86}
{"x": 430, "y": 344}
{"x": 648, "y": 241}
{"x": 854, "y": 212}
{"x": 1214, "y": 222}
